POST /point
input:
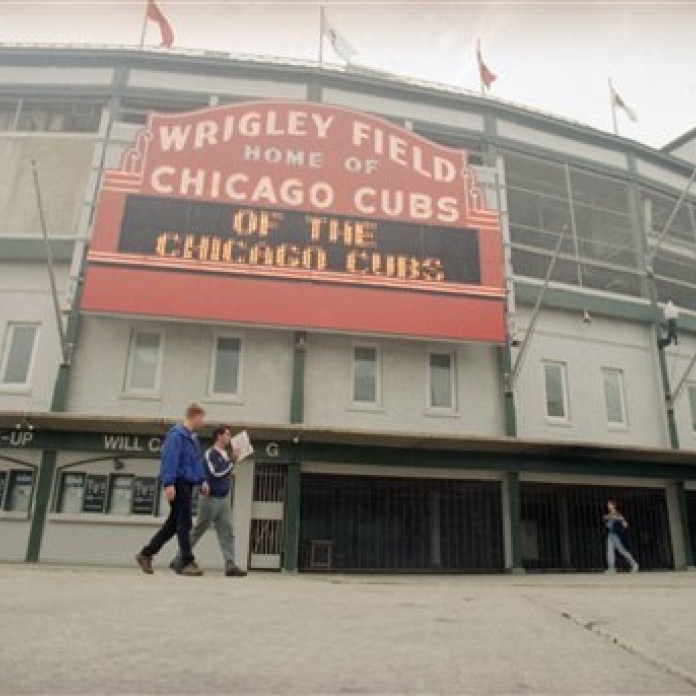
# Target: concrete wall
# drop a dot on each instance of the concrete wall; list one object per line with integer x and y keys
{"x": 63, "y": 163}
{"x": 587, "y": 348}
{"x": 14, "y": 526}
{"x": 404, "y": 378}
{"x": 97, "y": 381}
{"x": 25, "y": 297}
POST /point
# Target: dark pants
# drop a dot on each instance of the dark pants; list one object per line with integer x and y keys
{"x": 178, "y": 523}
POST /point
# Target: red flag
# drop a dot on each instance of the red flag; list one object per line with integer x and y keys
{"x": 155, "y": 14}
{"x": 487, "y": 76}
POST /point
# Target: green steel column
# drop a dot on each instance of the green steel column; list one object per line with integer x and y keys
{"x": 515, "y": 512}
{"x": 686, "y": 527}
{"x": 298, "y": 379}
{"x": 44, "y": 485}
{"x": 291, "y": 525}
{"x": 509, "y": 412}
{"x": 669, "y": 401}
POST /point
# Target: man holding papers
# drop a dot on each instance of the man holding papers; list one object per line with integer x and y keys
{"x": 215, "y": 508}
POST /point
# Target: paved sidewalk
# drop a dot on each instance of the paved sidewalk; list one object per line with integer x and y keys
{"x": 81, "y": 630}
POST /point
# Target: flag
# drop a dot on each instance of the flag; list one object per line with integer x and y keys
{"x": 487, "y": 76}
{"x": 154, "y": 14}
{"x": 338, "y": 42}
{"x": 619, "y": 103}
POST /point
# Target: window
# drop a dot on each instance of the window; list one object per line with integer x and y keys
{"x": 19, "y": 493}
{"x": 3, "y": 488}
{"x": 121, "y": 495}
{"x": 441, "y": 381}
{"x": 72, "y": 492}
{"x": 18, "y": 354}
{"x": 144, "y": 362}
{"x": 614, "y": 396}
{"x": 555, "y": 386}
{"x": 225, "y": 372}
{"x": 365, "y": 375}
{"x": 692, "y": 405}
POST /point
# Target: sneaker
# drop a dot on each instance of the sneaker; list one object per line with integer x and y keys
{"x": 145, "y": 563}
{"x": 235, "y": 572}
{"x": 191, "y": 569}
{"x": 175, "y": 565}
{"x": 635, "y": 568}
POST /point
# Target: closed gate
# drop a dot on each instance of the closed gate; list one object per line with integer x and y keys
{"x": 371, "y": 523}
{"x": 563, "y": 530}
{"x": 691, "y": 511}
{"x": 267, "y": 511}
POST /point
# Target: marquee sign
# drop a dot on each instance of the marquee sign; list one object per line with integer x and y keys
{"x": 297, "y": 215}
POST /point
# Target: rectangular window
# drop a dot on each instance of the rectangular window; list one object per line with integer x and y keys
{"x": 18, "y": 354}
{"x": 692, "y": 405}
{"x": 365, "y": 375}
{"x": 19, "y": 493}
{"x": 71, "y": 493}
{"x": 144, "y": 362}
{"x": 556, "y": 390}
{"x": 226, "y": 364}
{"x": 614, "y": 396}
{"x": 441, "y": 380}
{"x": 121, "y": 495}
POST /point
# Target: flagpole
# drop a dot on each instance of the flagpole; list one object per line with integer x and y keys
{"x": 612, "y": 101}
{"x": 143, "y": 29}
{"x": 321, "y": 35}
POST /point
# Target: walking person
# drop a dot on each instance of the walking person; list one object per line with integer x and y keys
{"x": 215, "y": 508}
{"x": 181, "y": 469}
{"x": 616, "y": 526}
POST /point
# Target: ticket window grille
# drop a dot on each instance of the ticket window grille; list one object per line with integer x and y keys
{"x": 268, "y": 510}
{"x": 19, "y": 493}
{"x": 563, "y": 530}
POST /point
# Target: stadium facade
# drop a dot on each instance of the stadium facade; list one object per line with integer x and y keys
{"x": 444, "y": 319}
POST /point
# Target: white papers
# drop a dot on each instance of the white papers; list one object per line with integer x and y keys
{"x": 241, "y": 445}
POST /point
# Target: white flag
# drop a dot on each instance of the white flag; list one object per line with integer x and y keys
{"x": 339, "y": 42}
{"x": 619, "y": 103}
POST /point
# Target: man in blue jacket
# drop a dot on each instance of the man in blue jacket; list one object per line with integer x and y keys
{"x": 181, "y": 469}
{"x": 215, "y": 509}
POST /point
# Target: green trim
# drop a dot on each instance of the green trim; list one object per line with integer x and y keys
{"x": 298, "y": 379}
{"x": 515, "y": 512}
{"x": 291, "y": 524}
{"x": 44, "y": 485}
{"x": 685, "y": 526}
{"x": 569, "y": 298}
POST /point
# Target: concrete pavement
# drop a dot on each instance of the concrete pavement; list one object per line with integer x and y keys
{"x": 86, "y": 630}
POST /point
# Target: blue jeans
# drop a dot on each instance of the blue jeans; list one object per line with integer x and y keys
{"x": 614, "y": 545}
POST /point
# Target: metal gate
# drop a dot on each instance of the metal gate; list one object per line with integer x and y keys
{"x": 267, "y": 511}
{"x": 371, "y": 523}
{"x": 691, "y": 512}
{"x": 563, "y": 530}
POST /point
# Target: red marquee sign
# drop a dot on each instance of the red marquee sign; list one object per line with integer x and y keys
{"x": 297, "y": 215}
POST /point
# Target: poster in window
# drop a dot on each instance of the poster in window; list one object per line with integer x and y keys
{"x": 94, "y": 499}
{"x": 144, "y": 491}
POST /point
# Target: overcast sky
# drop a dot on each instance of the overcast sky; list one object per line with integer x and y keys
{"x": 555, "y": 56}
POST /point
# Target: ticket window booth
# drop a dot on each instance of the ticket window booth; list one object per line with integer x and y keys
{"x": 16, "y": 489}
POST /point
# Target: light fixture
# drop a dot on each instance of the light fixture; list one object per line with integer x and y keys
{"x": 668, "y": 328}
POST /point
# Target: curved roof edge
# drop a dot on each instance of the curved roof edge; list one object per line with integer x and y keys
{"x": 68, "y": 53}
